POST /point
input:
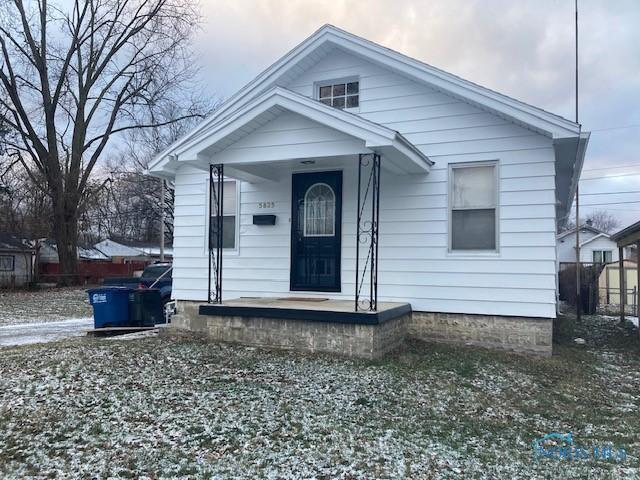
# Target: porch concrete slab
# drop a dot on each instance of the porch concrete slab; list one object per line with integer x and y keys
{"x": 330, "y": 326}
{"x": 319, "y": 310}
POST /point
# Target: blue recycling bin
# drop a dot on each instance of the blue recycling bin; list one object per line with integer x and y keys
{"x": 110, "y": 306}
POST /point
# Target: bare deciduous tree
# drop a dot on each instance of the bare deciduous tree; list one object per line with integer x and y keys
{"x": 130, "y": 205}
{"x": 24, "y": 210}
{"x": 601, "y": 219}
{"x": 72, "y": 79}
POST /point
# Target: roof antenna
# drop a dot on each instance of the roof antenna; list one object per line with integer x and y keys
{"x": 578, "y": 269}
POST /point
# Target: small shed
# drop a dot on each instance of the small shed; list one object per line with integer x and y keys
{"x": 609, "y": 283}
{"x": 16, "y": 261}
{"x": 625, "y": 238}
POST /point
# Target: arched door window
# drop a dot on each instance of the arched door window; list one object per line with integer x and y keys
{"x": 319, "y": 211}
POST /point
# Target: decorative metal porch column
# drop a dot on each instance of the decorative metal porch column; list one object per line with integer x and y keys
{"x": 216, "y": 196}
{"x": 368, "y": 216}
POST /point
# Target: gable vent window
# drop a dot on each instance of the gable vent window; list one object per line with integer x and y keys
{"x": 340, "y": 95}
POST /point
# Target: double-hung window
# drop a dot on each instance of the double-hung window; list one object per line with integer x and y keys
{"x": 602, "y": 256}
{"x": 473, "y": 207}
{"x": 229, "y": 217}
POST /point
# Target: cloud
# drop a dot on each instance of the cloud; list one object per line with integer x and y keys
{"x": 522, "y": 49}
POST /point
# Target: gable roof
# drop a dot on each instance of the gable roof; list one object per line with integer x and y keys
{"x": 273, "y": 102}
{"x": 119, "y": 247}
{"x": 584, "y": 227}
{"x": 600, "y": 235}
{"x": 12, "y": 243}
{"x": 627, "y": 235}
{"x": 570, "y": 141}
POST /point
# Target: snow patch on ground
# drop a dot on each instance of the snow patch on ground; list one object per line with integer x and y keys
{"x": 184, "y": 408}
{"x": 27, "y": 333}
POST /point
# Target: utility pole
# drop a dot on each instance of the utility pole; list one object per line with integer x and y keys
{"x": 162, "y": 219}
{"x": 578, "y": 270}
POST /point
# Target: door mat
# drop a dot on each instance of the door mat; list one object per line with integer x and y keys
{"x": 303, "y": 299}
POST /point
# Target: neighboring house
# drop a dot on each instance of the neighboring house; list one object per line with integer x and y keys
{"x": 459, "y": 245}
{"x": 107, "y": 258}
{"x": 595, "y": 246}
{"x": 121, "y": 250}
{"x": 16, "y": 262}
{"x": 93, "y": 265}
{"x": 48, "y": 253}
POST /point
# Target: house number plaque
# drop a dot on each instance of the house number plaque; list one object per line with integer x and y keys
{"x": 266, "y": 204}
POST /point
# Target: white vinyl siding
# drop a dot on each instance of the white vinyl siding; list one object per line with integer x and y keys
{"x": 567, "y": 251}
{"x": 415, "y": 264}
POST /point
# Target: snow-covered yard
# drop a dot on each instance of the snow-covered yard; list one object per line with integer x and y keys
{"x": 39, "y": 306}
{"x": 181, "y": 407}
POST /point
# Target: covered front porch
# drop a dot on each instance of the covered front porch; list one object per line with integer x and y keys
{"x": 331, "y": 162}
{"x": 304, "y": 270}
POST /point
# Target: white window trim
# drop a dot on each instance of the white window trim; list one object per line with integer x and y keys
{"x": 473, "y": 253}
{"x": 333, "y": 81}
{"x": 304, "y": 214}
{"x": 225, "y": 251}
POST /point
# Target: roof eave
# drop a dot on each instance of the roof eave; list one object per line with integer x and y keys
{"x": 545, "y": 122}
{"x": 373, "y": 134}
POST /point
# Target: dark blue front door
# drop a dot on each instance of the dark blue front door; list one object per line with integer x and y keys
{"x": 316, "y": 219}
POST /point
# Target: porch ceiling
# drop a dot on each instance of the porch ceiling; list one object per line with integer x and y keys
{"x": 249, "y": 142}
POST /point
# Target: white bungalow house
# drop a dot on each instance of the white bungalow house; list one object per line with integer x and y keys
{"x": 362, "y": 197}
{"x": 596, "y": 246}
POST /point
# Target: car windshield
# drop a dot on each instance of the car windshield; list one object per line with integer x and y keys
{"x": 153, "y": 272}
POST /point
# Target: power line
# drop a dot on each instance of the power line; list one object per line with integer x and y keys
{"x": 610, "y": 193}
{"x": 614, "y": 208}
{"x": 609, "y": 203}
{"x": 611, "y": 176}
{"x": 612, "y": 167}
{"x": 621, "y": 127}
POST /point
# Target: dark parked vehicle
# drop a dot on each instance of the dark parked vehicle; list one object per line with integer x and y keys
{"x": 157, "y": 275}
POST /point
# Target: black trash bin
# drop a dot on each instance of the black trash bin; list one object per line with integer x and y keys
{"x": 145, "y": 307}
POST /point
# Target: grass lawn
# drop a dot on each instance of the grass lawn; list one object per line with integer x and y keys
{"x": 180, "y": 407}
{"x": 47, "y": 305}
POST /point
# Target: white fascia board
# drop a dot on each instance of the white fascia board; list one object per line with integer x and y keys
{"x": 372, "y": 134}
{"x": 583, "y": 141}
{"x": 243, "y": 95}
{"x": 600, "y": 235}
{"x": 554, "y": 125}
{"x": 545, "y": 122}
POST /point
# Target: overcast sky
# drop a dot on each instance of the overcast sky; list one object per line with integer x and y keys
{"x": 524, "y": 49}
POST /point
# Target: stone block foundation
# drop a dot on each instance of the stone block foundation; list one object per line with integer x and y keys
{"x": 519, "y": 334}
{"x": 352, "y": 340}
